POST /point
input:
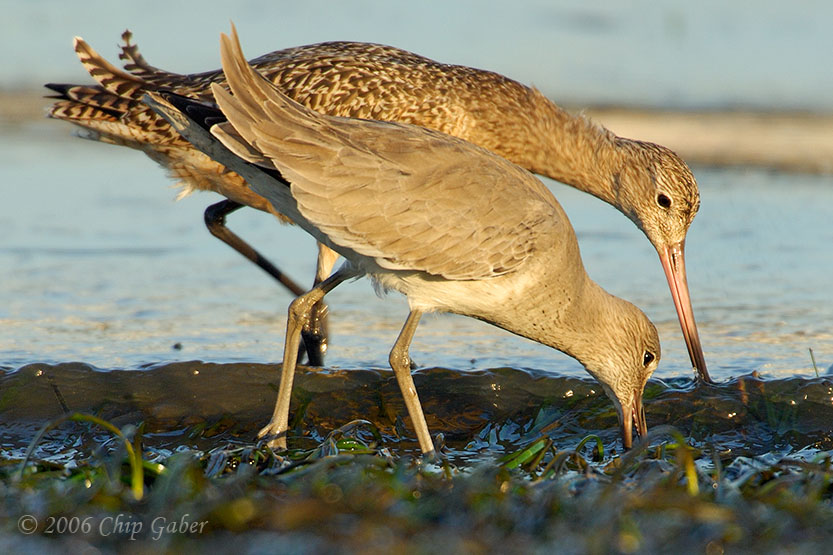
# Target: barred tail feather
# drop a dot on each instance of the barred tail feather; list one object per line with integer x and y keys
{"x": 93, "y": 96}
{"x": 112, "y": 111}
{"x": 135, "y": 63}
{"x": 107, "y": 75}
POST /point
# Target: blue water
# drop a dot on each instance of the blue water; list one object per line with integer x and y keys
{"x": 99, "y": 264}
{"x": 767, "y": 53}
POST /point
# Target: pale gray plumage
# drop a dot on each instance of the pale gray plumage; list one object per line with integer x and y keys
{"x": 450, "y": 225}
{"x": 648, "y": 183}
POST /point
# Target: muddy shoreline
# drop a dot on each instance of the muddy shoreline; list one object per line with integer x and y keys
{"x": 747, "y": 414}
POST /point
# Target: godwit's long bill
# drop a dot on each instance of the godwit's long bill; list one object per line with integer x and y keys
{"x": 450, "y": 225}
{"x": 673, "y": 263}
{"x": 648, "y": 183}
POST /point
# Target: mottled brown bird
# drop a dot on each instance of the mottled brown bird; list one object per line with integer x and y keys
{"x": 452, "y": 226}
{"x": 648, "y": 183}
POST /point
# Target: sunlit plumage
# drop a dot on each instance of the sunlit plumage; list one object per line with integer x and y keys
{"x": 450, "y": 225}
{"x": 648, "y": 183}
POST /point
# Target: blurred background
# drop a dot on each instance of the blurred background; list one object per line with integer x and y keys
{"x": 669, "y": 54}
{"x": 98, "y": 264}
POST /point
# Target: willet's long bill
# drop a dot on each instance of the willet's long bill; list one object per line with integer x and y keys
{"x": 450, "y": 225}
{"x": 648, "y": 183}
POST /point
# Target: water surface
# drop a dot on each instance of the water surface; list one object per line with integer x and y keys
{"x": 99, "y": 264}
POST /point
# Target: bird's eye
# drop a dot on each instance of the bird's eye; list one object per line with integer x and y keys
{"x": 664, "y": 200}
{"x": 647, "y": 358}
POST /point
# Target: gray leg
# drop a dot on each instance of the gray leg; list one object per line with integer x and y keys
{"x": 299, "y": 315}
{"x": 400, "y": 361}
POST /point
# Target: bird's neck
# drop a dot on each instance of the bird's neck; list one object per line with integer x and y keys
{"x": 565, "y": 310}
{"x": 573, "y": 150}
{"x": 577, "y": 327}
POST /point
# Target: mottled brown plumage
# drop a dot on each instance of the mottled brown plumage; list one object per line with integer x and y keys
{"x": 647, "y": 182}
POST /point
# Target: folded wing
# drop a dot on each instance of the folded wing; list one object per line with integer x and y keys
{"x": 410, "y": 198}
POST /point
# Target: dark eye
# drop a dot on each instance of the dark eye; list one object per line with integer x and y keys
{"x": 664, "y": 200}
{"x": 647, "y": 358}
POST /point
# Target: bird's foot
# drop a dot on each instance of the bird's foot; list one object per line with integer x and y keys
{"x": 279, "y": 439}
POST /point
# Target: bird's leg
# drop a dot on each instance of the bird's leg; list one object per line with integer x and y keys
{"x": 315, "y": 331}
{"x": 298, "y": 316}
{"x": 400, "y": 361}
{"x": 215, "y": 221}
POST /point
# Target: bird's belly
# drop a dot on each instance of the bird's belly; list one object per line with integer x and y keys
{"x": 480, "y": 298}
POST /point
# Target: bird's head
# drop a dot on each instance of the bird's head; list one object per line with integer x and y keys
{"x": 622, "y": 358}
{"x": 657, "y": 190}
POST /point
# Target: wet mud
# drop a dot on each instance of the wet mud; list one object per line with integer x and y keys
{"x": 204, "y": 405}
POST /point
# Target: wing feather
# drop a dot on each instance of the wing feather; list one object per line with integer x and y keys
{"x": 410, "y": 198}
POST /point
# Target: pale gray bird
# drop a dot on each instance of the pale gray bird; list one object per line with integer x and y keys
{"x": 452, "y": 226}
{"x": 648, "y": 183}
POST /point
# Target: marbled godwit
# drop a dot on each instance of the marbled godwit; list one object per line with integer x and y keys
{"x": 450, "y": 225}
{"x": 648, "y": 183}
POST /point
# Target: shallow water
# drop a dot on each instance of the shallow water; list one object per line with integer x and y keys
{"x": 98, "y": 264}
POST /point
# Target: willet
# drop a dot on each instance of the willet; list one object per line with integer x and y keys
{"x": 450, "y": 225}
{"x": 648, "y": 183}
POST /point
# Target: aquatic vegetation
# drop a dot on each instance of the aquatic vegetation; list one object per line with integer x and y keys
{"x": 533, "y": 464}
